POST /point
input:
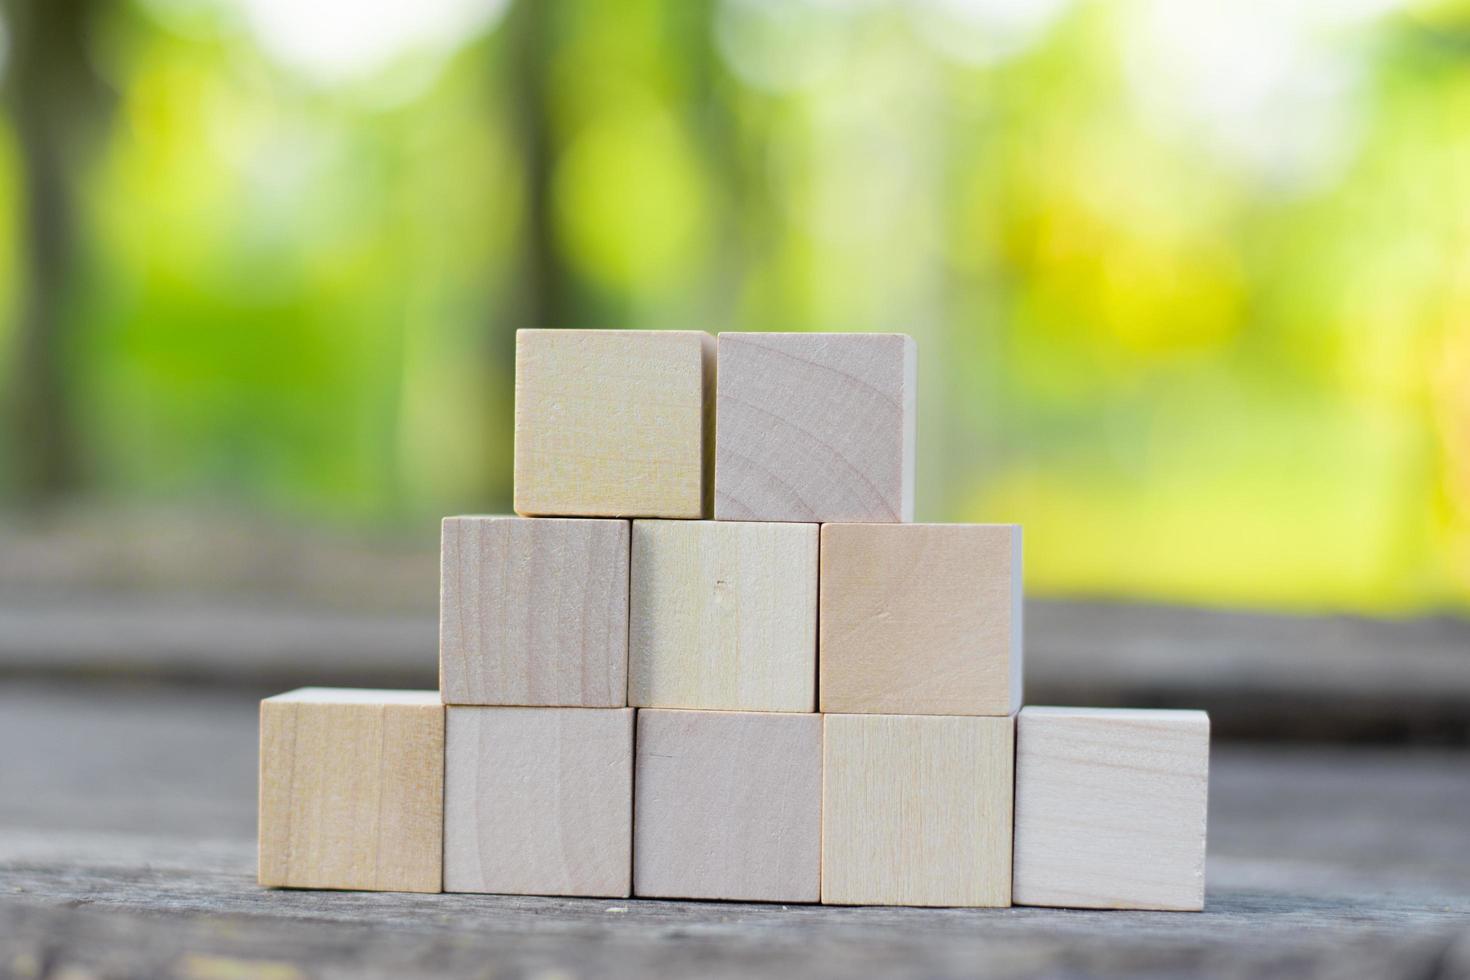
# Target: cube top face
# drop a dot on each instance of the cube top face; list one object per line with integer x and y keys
{"x": 539, "y": 801}
{"x": 921, "y": 619}
{"x": 355, "y": 695}
{"x": 534, "y": 612}
{"x": 815, "y": 427}
{"x": 1166, "y": 718}
{"x": 723, "y": 616}
{"x": 729, "y": 806}
{"x": 1111, "y": 808}
{"x": 916, "y": 810}
{"x": 351, "y": 790}
{"x": 612, "y": 423}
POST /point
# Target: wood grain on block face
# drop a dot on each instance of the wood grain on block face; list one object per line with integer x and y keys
{"x": 921, "y": 619}
{"x": 539, "y": 801}
{"x": 534, "y": 611}
{"x": 815, "y": 427}
{"x": 723, "y": 615}
{"x": 916, "y": 810}
{"x": 351, "y": 790}
{"x": 729, "y": 806}
{"x": 614, "y": 423}
{"x": 1110, "y": 808}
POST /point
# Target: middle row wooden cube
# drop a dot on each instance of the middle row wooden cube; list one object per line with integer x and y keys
{"x": 723, "y": 616}
{"x": 720, "y": 615}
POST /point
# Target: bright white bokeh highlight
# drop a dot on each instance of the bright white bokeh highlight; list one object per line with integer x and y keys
{"x": 985, "y": 32}
{"x": 343, "y": 41}
{"x": 1273, "y": 86}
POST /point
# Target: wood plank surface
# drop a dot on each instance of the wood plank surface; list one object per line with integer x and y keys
{"x": 1259, "y": 675}
{"x": 723, "y": 616}
{"x": 127, "y": 849}
{"x": 534, "y": 612}
{"x": 815, "y": 427}
{"x": 188, "y": 602}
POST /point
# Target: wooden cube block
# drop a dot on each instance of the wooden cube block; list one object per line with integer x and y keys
{"x": 539, "y": 801}
{"x": 351, "y": 789}
{"x": 815, "y": 427}
{"x": 723, "y": 616}
{"x": 614, "y": 423}
{"x": 921, "y": 619}
{"x": 534, "y": 612}
{"x": 916, "y": 810}
{"x": 728, "y": 806}
{"x": 1110, "y": 808}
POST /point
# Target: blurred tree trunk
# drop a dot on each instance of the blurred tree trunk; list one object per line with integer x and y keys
{"x": 546, "y": 284}
{"x": 539, "y": 294}
{"x": 49, "y": 91}
{"x": 712, "y": 120}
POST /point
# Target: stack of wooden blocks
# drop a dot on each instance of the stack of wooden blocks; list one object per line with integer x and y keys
{"x": 808, "y": 698}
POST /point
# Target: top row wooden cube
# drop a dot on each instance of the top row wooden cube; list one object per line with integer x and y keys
{"x": 613, "y": 423}
{"x": 816, "y": 428}
{"x": 810, "y": 428}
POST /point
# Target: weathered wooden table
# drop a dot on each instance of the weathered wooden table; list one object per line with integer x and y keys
{"x": 127, "y": 827}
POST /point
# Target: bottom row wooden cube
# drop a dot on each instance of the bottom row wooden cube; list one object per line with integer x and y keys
{"x": 917, "y": 810}
{"x": 391, "y": 791}
{"x": 351, "y": 789}
{"x": 1111, "y": 808}
{"x": 729, "y": 806}
{"x": 538, "y": 801}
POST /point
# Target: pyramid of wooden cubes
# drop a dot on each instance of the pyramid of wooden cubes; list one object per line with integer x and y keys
{"x": 713, "y": 658}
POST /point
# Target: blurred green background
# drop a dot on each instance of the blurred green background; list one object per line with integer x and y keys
{"x": 1190, "y": 281}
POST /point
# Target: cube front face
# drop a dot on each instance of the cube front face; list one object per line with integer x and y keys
{"x": 916, "y": 810}
{"x": 351, "y": 790}
{"x": 539, "y": 801}
{"x": 728, "y": 806}
{"x": 612, "y": 423}
{"x": 815, "y": 427}
{"x": 723, "y": 616}
{"x": 534, "y": 612}
{"x": 921, "y": 619}
{"x": 1111, "y": 808}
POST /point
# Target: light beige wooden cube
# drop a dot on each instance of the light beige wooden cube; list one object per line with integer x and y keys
{"x": 534, "y": 611}
{"x": 921, "y": 619}
{"x": 539, "y": 801}
{"x": 728, "y": 806}
{"x": 815, "y": 427}
{"x": 916, "y": 810}
{"x": 351, "y": 789}
{"x": 723, "y": 616}
{"x": 1110, "y": 808}
{"x": 614, "y": 423}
